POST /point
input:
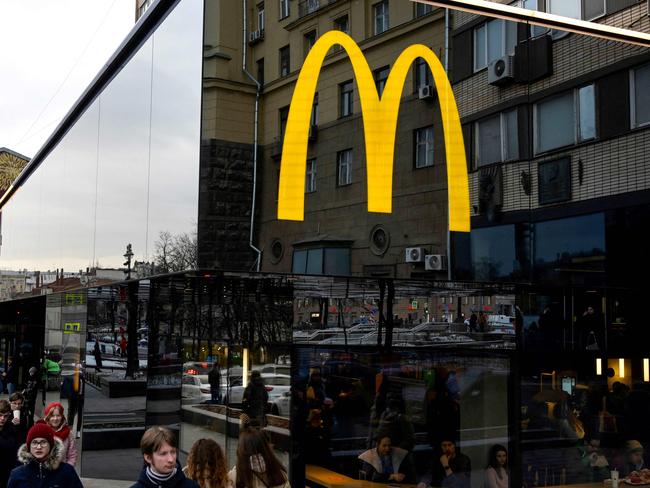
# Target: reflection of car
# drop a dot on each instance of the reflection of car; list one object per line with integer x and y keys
{"x": 276, "y": 385}
{"x": 281, "y": 405}
{"x": 197, "y": 367}
{"x": 195, "y": 387}
{"x": 275, "y": 369}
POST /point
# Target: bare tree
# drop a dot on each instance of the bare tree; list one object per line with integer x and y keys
{"x": 175, "y": 252}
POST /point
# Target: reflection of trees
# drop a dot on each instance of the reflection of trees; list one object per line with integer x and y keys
{"x": 175, "y": 252}
{"x": 485, "y": 269}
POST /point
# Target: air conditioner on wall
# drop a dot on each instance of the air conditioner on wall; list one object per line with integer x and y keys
{"x": 502, "y": 70}
{"x": 414, "y": 254}
{"x": 426, "y": 92}
{"x": 435, "y": 262}
{"x": 256, "y": 35}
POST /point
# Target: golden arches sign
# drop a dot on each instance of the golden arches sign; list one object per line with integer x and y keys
{"x": 380, "y": 124}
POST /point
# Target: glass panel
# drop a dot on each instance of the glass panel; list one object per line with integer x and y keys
{"x": 493, "y": 252}
{"x": 299, "y": 262}
{"x": 480, "y": 48}
{"x": 566, "y": 8}
{"x": 642, "y": 95}
{"x": 489, "y": 140}
{"x": 337, "y": 262}
{"x": 593, "y": 9}
{"x": 511, "y": 132}
{"x": 587, "y": 107}
{"x": 555, "y": 123}
{"x": 495, "y": 39}
{"x": 314, "y": 261}
{"x": 569, "y": 240}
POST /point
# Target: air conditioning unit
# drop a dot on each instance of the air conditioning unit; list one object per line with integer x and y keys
{"x": 435, "y": 262}
{"x": 502, "y": 70}
{"x": 255, "y": 36}
{"x": 313, "y": 132}
{"x": 414, "y": 254}
{"x": 426, "y": 92}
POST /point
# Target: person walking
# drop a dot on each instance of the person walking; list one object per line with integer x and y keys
{"x": 42, "y": 458}
{"x": 97, "y": 353}
{"x": 206, "y": 464}
{"x": 159, "y": 450}
{"x": 10, "y": 376}
{"x": 8, "y": 443}
{"x": 257, "y": 466}
{"x": 255, "y": 399}
{"x": 56, "y": 420}
{"x": 31, "y": 393}
{"x": 214, "y": 378}
{"x": 20, "y": 420}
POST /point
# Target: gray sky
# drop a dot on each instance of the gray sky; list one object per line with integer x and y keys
{"x": 50, "y": 50}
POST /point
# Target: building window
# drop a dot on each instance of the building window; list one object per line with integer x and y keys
{"x": 424, "y": 147}
{"x": 344, "y": 167}
{"x": 260, "y": 71}
{"x": 345, "y": 98}
{"x": 381, "y": 75}
{"x": 284, "y": 9}
{"x": 423, "y": 76}
{"x": 640, "y": 103}
{"x": 285, "y": 68}
{"x": 422, "y": 9}
{"x": 566, "y": 119}
{"x": 309, "y": 41}
{"x": 497, "y": 139}
{"x": 328, "y": 260}
{"x": 314, "y": 111}
{"x": 380, "y": 11}
{"x": 310, "y": 176}
{"x": 493, "y": 40}
{"x": 284, "y": 115}
{"x": 342, "y": 24}
{"x": 260, "y": 16}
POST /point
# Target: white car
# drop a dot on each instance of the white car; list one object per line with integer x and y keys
{"x": 195, "y": 388}
{"x": 275, "y": 384}
{"x": 275, "y": 369}
{"x": 281, "y": 405}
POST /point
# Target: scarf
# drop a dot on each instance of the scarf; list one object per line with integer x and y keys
{"x": 62, "y": 432}
{"x": 157, "y": 478}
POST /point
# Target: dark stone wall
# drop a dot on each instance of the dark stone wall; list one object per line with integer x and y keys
{"x": 225, "y": 197}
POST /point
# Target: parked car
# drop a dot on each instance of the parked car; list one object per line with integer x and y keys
{"x": 281, "y": 405}
{"x": 195, "y": 388}
{"x": 276, "y": 385}
{"x": 275, "y": 369}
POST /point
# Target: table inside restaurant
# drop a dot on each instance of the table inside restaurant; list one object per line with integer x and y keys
{"x": 326, "y": 478}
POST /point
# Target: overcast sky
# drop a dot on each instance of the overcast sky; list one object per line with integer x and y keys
{"x": 50, "y": 50}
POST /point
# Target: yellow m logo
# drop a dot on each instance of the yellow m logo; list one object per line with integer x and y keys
{"x": 380, "y": 124}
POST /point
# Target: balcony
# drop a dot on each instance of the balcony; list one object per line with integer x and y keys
{"x": 306, "y": 7}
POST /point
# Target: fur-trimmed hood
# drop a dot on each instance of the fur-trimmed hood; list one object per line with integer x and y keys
{"x": 371, "y": 456}
{"x": 53, "y": 460}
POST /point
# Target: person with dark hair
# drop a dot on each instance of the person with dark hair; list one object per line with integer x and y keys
{"x": 20, "y": 422}
{"x": 206, "y": 464}
{"x": 214, "y": 378}
{"x": 452, "y": 470}
{"x": 496, "y": 473}
{"x": 10, "y": 376}
{"x": 42, "y": 458}
{"x": 257, "y": 466}
{"x": 97, "y": 353}
{"x": 159, "y": 450}
{"x": 8, "y": 443}
{"x": 387, "y": 464}
{"x": 30, "y": 393}
{"x": 255, "y": 399}
{"x": 397, "y": 425}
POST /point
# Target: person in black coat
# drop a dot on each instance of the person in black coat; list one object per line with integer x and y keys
{"x": 21, "y": 424}
{"x": 8, "y": 443}
{"x": 162, "y": 470}
{"x": 97, "y": 353}
{"x": 255, "y": 399}
{"x": 214, "y": 378}
{"x": 42, "y": 457}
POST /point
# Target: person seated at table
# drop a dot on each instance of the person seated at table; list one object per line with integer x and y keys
{"x": 633, "y": 459}
{"x": 452, "y": 470}
{"x": 385, "y": 463}
{"x": 496, "y": 474}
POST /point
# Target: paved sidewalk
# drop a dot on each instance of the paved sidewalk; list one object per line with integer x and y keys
{"x": 97, "y": 483}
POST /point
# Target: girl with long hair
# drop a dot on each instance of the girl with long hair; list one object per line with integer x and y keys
{"x": 496, "y": 474}
{"x": 206, "y": 464}
{"x": 257, "y": 466}
{"x": 55, "y": 418}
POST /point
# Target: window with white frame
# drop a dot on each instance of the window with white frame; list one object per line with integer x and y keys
{"x": 575, "y": 9}
{"x": 344, "y": 165}
{"x": 423, "y": 74}
{"x": 345, "y": 99}
{"x": 342, "y": 24}
{"x": 422, "y": 9}
{"x": 285, "y": 60}
{"x": 640, "y": 102}
{"x": 260, "y": 16}
{"x": 424, "y": 147}
{"x": 314, "y": 111}
{"x": 497, "y": 138}
{"x": 380, "y": 11}
{"x": 565, "y": 119}
{"x": 381, "y": 76}
{"x": 284, "y": 9}
{"x": 310, "y": 176}
{"x": 493, "y": 40}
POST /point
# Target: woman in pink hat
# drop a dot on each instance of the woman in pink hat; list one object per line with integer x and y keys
{"x": 56, "y": 420}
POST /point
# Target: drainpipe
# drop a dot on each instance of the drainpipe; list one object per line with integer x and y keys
{"x": 258, "y": 261}
{"x": 447, "y": 29}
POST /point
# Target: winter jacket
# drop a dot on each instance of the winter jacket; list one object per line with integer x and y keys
{"x": 69, "y": 444}
{"x": 8, "y": 450}
{"x": 51, "y": 473}
{"x": 400, "y": 463}
{"x": 255, "y": 398}
{"x": 177, "y": 481}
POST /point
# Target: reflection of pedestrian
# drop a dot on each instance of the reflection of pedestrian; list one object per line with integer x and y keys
{"x": 123, "y": 345}
{"x": 97, "y": 352}
{"x": 214, "y": 378}
{"x": 255, "y": 399}
{"x": 30, "y": 393}
{"x": 10, "y": 376}
{"x": 482, "y": 322}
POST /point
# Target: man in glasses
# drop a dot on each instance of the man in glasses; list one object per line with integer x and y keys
{"x": 42, "y": 458}
{"x": 20, "y": 420}
{"x": 8, "y": 442}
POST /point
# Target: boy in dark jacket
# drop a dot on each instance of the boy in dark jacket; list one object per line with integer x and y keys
{"x": 42, "y": 457}
{"x": 8, "y": 443}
